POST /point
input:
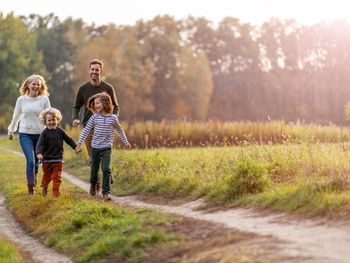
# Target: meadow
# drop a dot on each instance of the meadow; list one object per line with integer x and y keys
{"x": 306, "y": 175}
{"x": 175, "y": 134}
{"x": 90, "y": 230}
{"x": 300, "y": 169}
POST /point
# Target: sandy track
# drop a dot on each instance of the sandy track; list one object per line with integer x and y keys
{"x": 307, "y": 239}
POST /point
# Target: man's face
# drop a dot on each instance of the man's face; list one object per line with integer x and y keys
{"x": 95, "y": 72}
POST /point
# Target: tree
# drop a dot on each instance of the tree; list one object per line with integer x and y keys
{"x": 19, "y": 58}
{"x": 58, "y": 56}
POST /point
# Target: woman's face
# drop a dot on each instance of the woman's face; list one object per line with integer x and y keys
{"x": 34, "y": 87}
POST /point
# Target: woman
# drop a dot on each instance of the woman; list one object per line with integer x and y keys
{"x": 33, "y": 100}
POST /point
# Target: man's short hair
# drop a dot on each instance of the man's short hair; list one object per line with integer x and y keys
{"x": 96, "y": 61}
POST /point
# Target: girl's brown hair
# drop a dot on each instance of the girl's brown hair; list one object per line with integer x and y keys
{"x": 105, "y": 100}
{"x": 24, "y": 89}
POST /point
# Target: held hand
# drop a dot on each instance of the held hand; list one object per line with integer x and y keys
{"x": 39, "y": 156}
{"x": 128, "y": 145}
{"x": 10, "y": 136}
{"x": 77, "y": 149}
{"x": 76, "y": 123}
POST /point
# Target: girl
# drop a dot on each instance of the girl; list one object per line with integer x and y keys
{"x": 33, "y": 100}
{"x": 103, "y": 121}
{"x": 50, "y": 150}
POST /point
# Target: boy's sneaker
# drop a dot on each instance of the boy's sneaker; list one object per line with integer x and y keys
{"x": 106, "y": 197}
{"x": 44, "y": 191}
{"x": 92, "y": 190}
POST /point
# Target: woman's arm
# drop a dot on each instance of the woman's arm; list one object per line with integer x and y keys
{"x": 15, "y": 118}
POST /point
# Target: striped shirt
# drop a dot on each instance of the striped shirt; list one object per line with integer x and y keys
{"x": 104, "y": 126}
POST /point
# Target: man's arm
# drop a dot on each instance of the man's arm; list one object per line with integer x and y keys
{"x": 113, "y": 95}
{"x": 79, "y": 102}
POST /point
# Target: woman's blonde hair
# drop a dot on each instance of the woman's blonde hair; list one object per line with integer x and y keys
{"x": 105, "y": 100}
{"x": 24, "y": 90}
{"x": 50, "y": 111}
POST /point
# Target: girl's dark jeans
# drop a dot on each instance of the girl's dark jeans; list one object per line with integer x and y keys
{"x": 103, "y": 157}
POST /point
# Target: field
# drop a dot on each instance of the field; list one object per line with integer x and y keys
{"x": 304, "y": 177}
{"x": 308, "y": 173}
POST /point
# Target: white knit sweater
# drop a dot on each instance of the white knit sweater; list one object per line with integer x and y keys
{"x": 27, "y": 112}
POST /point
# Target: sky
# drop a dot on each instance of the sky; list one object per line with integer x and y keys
{"x": 127, "y": 12}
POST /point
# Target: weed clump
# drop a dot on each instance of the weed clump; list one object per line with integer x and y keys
{"x": 248, "y": 178}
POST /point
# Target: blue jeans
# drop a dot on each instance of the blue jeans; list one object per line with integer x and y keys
{"x": 28, "y": 143}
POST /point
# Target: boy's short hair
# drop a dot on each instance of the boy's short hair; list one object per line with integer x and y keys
{"x": 52, "y": 111}
{"x": 105, "y": 100}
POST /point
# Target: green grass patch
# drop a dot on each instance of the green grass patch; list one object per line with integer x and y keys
{"x": 87, "y": 229}
{"x": 298, "y": 178}
{"x": 9, "y": 252}
{"x": 310, "y": 178}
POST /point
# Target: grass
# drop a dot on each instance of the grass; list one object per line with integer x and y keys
{"x": 302, "y": 178}
{"x": 305, "y": 178}
{"x": 9, "y": 252}
{"x": 173, "y": 134}
{"x": 87, "y": 229}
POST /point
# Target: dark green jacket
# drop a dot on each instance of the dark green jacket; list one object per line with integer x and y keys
{"x": 85, "y": 92}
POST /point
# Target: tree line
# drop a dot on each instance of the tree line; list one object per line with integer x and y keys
{"x": 188, "y": 69}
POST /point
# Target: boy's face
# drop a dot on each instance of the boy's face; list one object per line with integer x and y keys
{"x": 51, "y": 121}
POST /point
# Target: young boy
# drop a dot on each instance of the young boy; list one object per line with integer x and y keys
{"x": 49, "y": 150}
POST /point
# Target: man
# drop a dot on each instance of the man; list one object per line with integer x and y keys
{"x": 93, "y": 86}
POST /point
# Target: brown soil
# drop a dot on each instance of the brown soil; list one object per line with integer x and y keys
{"x": 212, "y": 243}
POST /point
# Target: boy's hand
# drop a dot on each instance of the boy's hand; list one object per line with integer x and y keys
{"x": 39, "y": 156}
{"x": 128, "y": 145}
{"x": 77, "y": 149}
{"x": 10, "y": 136}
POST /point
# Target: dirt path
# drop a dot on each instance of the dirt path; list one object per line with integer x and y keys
{"x": 311, "y": 240}
{"x": 39, "y": 253}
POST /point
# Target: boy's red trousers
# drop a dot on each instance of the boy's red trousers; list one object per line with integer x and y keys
{"x": 52, "y": 172}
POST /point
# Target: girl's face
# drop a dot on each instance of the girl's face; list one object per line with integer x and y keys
{"x": 51, "y": 121}
{"x": 34, "y": 87}
{"x": 98, "y": 105}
